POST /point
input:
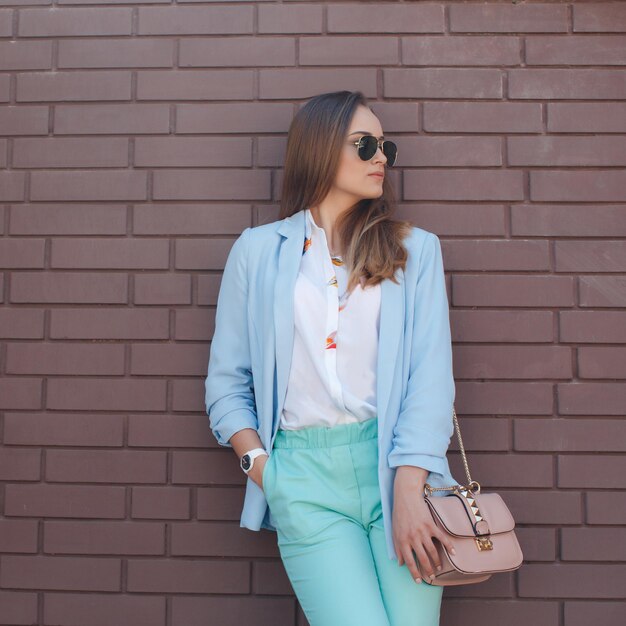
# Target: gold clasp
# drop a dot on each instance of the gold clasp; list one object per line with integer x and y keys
{"x": 483, "y": 543}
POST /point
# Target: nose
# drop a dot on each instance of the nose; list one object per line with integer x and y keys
{"x": 379, "y": 150}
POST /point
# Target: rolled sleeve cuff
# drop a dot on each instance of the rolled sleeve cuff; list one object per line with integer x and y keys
{"x": 233, "y": 422}
{"x": 433, "y": 464}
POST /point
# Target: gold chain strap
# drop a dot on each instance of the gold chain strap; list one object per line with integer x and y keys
{"x": 472, "y": 485}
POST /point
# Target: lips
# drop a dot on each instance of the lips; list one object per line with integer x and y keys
{"x": 379, "y": 174}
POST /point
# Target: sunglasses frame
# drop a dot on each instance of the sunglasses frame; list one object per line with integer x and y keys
{"x": 379, "y": 144}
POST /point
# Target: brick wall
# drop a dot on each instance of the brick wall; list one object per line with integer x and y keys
{"x": 138, "y": 140}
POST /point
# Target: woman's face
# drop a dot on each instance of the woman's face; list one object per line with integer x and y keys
{"x": 354, "y": 176}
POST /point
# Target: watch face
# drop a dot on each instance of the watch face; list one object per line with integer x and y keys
{"x": 245, "y": 461}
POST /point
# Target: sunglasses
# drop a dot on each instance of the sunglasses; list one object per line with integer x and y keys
{"x": 368, "y": 145}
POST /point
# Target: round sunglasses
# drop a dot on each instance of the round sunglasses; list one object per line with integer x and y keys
{"x": 368, "y": 145}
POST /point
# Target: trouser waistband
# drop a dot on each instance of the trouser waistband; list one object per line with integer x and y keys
{"x": 325, "y": 436}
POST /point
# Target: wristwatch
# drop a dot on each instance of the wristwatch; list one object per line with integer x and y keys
{"x": 247, "y": 460}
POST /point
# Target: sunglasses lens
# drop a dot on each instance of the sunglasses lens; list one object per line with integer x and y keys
{"x": 390, "y": 150}
{"x": 368, "y": 146}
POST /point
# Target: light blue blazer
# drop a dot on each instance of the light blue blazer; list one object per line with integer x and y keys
{"x": 251, "y": 351}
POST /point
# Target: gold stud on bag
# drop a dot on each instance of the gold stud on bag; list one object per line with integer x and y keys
{"x": 480, "y": 527}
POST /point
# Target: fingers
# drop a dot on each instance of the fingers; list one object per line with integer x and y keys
{"x": 434, "y": 562}
{"x": 262, "y": 476}
{"x": 409, "y": 559}
{"x": 445, "y": 540}
{"x": 428, "y": 561}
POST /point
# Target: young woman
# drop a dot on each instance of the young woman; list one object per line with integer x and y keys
{"x": 330, "y": 375}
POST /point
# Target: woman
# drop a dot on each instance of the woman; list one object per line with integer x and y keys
{"x": 330, "y": 375}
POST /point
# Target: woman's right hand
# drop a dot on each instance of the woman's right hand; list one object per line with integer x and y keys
{"x": 259, "y": 469}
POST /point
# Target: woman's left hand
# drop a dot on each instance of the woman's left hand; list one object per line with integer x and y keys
{"x": 413, "y": 524}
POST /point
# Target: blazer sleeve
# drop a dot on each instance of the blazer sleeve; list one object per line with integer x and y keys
{"x": 229, "y": 391}
{"x": 425, "y": 424}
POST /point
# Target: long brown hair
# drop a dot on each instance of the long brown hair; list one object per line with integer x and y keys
{"x": 370, "y": 237}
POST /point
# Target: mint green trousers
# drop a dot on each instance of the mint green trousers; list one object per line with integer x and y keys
{"x": 322, "y": 489}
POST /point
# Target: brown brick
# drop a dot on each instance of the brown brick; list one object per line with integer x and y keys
{"x": 106, "y": 466}
{"x": 109, "y": 323}
{"x": 592, "y": 471}
{"x": 24, "y": 120}
{"x": 566, "y": 151}
{"x": 339, "y": 50}
{"x": 514, "y": 362}
{"x": 511, "y": 398}
{"x": 120, "y": 609}
{"x": 442, "y": 83}
{"x": 65, "y": 358}
{"x": 191, "y": 219}
{"x": 25, "y": 55}
{"x": 593, "y": 326}
{"x": 220, "y": 539}
{"x": 483, "y": 117}
{"x": 512, "y": 290}
{"x": 63, "y": 287}
{"x": 238, "y": 51}
{"x": 74, "y": 22}
{"x": 459, "y": 50}
{"x": 18, "y": 607}
{"x": 290, "y": 18}
{"x": 22, "y": 254}
{"x": 581, "y": 613}
{"x": 305, "y": 83}
{"x": 195, "y": 85}
{"x": 104, "y": 538}
{"x": 226, "y": 184}
{"x": 18, "y": 535}
{"x": 606, "y": 507}
{"x": 385, "y": 18}
{"x": 576, "y": 50}
{"x": 110, "y": 253}
{"x": 76, "y": 501}
{"x": 160, "y": 502}
{"x": 588, "y": 117}
{"x": 68, "y": 86}
{"x": 601, "y": 17}
{"x": 192, "y": 152}
{"x": 506, "y": 18}
{"x": 593, "y": 544}
{"x": 63, "y": 429}
{"x": 109, "y": 394}
{"x": 502, "y": 326}
{"x": 111, "y": 118}
{"x": 570, "y": 435}
{"x": 565, "y": 84}
{"x": 121, "y": 53}
{"x": 61, "y": 573}
{"x": 602, "y": 291}
{"x": 602, "y": 362}
{"x": 580, "y": 580}
{"x": 67, "y": 219}
{"x": 228, "y": 611}
{"x": 567, "y": 220}
{"x": 89, "y": 185}
{"x": 162, "y": 289}
{"x": 201, "y": 20}
{"x": 188, "y": 576}
{"x": 70, "y": 152}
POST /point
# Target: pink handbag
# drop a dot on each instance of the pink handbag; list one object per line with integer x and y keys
{"x": 480, "y": 526}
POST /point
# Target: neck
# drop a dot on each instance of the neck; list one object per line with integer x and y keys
{"x": 325, "y": 220}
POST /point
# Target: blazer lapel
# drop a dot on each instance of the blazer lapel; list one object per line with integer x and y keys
{"x": 292, "y": 229}
{"x": 392, "y": 313}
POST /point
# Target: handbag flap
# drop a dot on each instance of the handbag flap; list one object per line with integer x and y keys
{"x": 455, "y": 513}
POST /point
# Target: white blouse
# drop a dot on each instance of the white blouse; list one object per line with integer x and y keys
{"x": 332, "y": 379}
